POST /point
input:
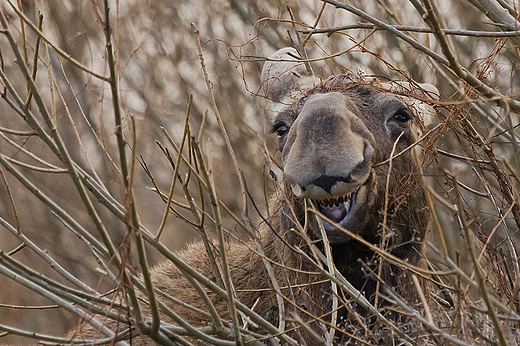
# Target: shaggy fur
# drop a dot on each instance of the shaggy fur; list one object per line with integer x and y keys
{"x": 372, "y": 120}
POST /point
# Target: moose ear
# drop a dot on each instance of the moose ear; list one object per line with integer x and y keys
{"x": 283, "y": 75}
{"x": 427, "y": 91}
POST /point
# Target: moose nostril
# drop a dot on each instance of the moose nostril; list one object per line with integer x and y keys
{"x": 360, "y": 166}
{"x": 326, "y": 182}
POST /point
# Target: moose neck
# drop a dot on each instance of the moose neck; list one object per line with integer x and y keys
{"x": 355, "y": 262}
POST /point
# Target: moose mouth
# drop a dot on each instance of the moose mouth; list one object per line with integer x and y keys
{"x": 339, "y": 209}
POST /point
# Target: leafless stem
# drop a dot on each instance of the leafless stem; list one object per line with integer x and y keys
{"x": 11, "y": 199}
{"x": 453, "y": 32}
{"x": 309, "y": 34}
{"x": 332, "y": 269}
{"x": 220, "y": 122}
{"x": 450, "y": 62}
{"x": 478, "y": 270}
{"x": 425, "y": 322}
{"x": 176, "y": 168}
{"x": 57, "y": 144}
{"x": 300, "y": 46}
{"x": 357, "y": 296}
{"x": 35, "y": 59}
{"x": 431, "y": 206}
{"x": 54, "y": 206}
{"x": 208, "y": 176}
{"x": 57, "y": 300}
{"x": 385, "y": 215}
{"x": 60, "y": 51}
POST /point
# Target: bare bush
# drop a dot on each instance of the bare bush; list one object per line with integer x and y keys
{"x": 106, "y": 120}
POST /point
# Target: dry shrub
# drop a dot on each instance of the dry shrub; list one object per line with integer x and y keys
{"x": 471, "y": 165}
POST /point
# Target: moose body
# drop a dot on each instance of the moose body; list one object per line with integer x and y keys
{"x": 331, "y": 136}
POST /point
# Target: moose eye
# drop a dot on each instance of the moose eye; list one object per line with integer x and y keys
{"x": 280, "y": 129}
{"x": 402, "y": 115}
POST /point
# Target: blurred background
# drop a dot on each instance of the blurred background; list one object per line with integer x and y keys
{"x": 159, "y": 68}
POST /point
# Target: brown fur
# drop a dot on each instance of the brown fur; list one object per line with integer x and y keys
{"x": 340, "y": 134}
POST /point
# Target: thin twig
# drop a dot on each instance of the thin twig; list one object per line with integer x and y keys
{"x": 17, "y": 133}
{"x": 477, "y": 269}
{"x": 49, "y": 338}
{"x": 85, "y": 118}
{"x": 492, "y": 233}
{"x": 132, "y": 218}
{"x": 387, "y": 255}
{"x": 356, "y": 294}
{"x": 29, "y": 153}
{"x": 431, "y": 206}
{"x": 411, "y": 146}
{"x": 11, "y": 199}
{"x": 57, "y": 300}
{"x": 56, "y": 143}
{"x": 462, "y": 32}
{"x": 385, "y": 216}
{"x": 53, "y": 205}
{"x": 421, "y": 319}
{"x": 35, "y": 58}
{"x": 450, "y": 62}
{"x": 185, "y": 135}
{"x": 318, "y": 17}
{"x": 209, "y": 86}
{"x": 300, "y": 46}
{"x": 58, "y": 50}
{"x": 46, "y": 257}
{"x": 34, "y": 168}
{"x": 423, "y": 298}
{"x": 208, "y": 176}
{"x": 332, "y": 269}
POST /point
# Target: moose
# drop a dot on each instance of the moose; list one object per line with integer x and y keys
{"x": 334, "y": 137}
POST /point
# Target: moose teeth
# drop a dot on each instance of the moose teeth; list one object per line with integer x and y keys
{"x": 335, "y": 202}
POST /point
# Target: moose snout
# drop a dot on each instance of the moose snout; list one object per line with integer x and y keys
{"x": 336, "y": 175}
{"x": 328, "y": 150}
